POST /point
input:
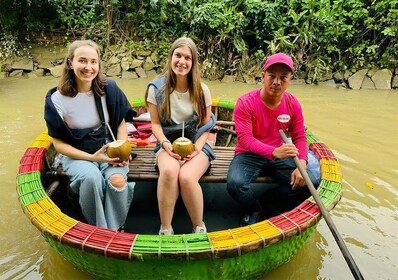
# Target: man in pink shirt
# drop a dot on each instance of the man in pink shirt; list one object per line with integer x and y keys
{"x": 259, "y": 115}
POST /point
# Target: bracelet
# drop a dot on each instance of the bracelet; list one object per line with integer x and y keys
{"x": 161, "y": 143}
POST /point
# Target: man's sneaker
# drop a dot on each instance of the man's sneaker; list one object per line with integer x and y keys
{"x": 202, "y": 229}
{"x": 250, "y": 219}
{"x": 166, "y": 231}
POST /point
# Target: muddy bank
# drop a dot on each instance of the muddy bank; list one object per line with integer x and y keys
{"x": 126, "y": 64}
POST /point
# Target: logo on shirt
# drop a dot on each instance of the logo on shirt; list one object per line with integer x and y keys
{"x": 283, "y": 118}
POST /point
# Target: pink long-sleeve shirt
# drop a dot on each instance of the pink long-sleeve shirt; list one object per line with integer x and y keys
{"x": 257, "y": 126}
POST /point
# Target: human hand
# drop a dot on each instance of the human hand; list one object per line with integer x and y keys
{"x": 118, "y": 163}
{"x": 194, "y": 153}
{"x": 100, "y": 156}
{"x": 168, "y": 147}
{"x": 296, "y": 179}
{"x": 285, "y": 151}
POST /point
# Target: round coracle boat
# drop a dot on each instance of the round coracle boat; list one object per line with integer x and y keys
{"x": 227, "y": 251}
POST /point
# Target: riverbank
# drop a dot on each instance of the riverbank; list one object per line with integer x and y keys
{"x": 130, "y": 65}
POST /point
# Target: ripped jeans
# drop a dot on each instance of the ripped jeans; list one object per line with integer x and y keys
{"x": 102, "y": 204}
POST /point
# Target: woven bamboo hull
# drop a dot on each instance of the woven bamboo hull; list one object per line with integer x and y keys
{"x": 236, "y": 253}
{"x": 248, "y": 266}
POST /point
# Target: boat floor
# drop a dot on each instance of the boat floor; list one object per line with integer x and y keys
{"x": 220, "y": 210}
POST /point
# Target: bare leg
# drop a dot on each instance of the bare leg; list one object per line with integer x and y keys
{"x": 191, "y": 192}
{"x": 167, "y": 188}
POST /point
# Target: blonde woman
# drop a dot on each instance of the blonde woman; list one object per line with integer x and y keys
{"x": 176, "y": 98}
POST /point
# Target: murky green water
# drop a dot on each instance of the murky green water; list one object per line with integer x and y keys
{"x": 361, "y": 127}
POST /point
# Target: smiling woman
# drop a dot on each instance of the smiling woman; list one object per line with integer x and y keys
{"x": 77, "y": 115}
{"x": 179, "y": 173}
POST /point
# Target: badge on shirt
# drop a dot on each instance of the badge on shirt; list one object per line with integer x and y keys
{"x": 283, "y": 118}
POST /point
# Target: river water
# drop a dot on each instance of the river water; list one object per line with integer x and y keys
{"x": 361, "y": 127}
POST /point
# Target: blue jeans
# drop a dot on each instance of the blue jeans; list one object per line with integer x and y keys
{"x": 246, "y": 167}
{"x": 102, "y": 204}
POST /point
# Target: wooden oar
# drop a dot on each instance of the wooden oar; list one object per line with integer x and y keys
{"x": 343, "y": 248}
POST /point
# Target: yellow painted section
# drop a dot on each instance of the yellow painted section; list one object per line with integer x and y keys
{"x": 48, "y": 217}
{"x": 42, "y": 141}
{"x": 242, "y": 235}
{"x": 215, "y": 101}
{"x": 331, "y": 170}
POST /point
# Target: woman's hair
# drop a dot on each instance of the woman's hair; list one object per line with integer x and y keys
{"x": 194, "y": 81}
{"x": 67, "y": 85}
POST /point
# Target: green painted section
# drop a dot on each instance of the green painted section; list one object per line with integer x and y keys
{"x": 150, "y": 246}
{"x": 226, "y": 104}
{"x": 247, "y": 266}
{"x": 30, "y": 188}
{"x": 138, "y": 102}
{"x": 328, "y": 192}
{"x": 311, "y": 138}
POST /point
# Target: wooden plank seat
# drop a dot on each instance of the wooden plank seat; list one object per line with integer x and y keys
{"x": 142, "y": 168}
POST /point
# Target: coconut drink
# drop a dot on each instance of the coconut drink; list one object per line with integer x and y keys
{"x": 183, "y": 146}
{"x": 120, "y": 149}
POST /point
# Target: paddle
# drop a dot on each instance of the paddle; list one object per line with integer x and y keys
{"x": 344, "y": 250}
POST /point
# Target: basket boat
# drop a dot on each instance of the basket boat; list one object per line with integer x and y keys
{"x": 225, "y": 252}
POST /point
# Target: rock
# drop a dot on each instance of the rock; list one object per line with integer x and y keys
{"x": 136, "y": 63}
{"x": 6, "y": 66}
{"x": 347, "y": 75}
{"x": 382, "y": 79}
{"x": 148, "y": 65}
{"x": 355, "y": 81}
{"x": 249, "y": 80}
{"x": 329, "y": 83}
{"x": 129, "y": 75}
{"x": 155, "y": 57}
{"x": 395, "y": 82}
{"x": 326, "y": 77}
{"x": 125, "y": 63}
{"x": 338, "y": 77}
{"x": 371, "y": 72}
{"x": 367, "y": 83}
{"x": 151, "y": 73}
{"x": 56, "y": 71}
{"x": 114, "y": 70}
{"x": 39, "y": 72}
{"x": 32, "y": 75}
{"x": 3, "y": 75}
{"x": 47, "y": 57}
{"x": 342, "y": 85}
{"x": 113, "y": 60}
{"x": 16, "y": 73}
{"x": 141, "y": 72}
{"x": 23, "y": 64}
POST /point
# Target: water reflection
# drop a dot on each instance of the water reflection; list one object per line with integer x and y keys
{"x": 361, "y": 127}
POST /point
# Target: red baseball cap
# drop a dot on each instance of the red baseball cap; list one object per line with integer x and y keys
{"x": 279, "y": 58}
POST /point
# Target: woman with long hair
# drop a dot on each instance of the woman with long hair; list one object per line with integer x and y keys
{"x": 81, "y": 115}
{"x": 179, "y": 98}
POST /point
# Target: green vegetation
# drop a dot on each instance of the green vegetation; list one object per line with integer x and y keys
{"x": 233, "y": 36}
